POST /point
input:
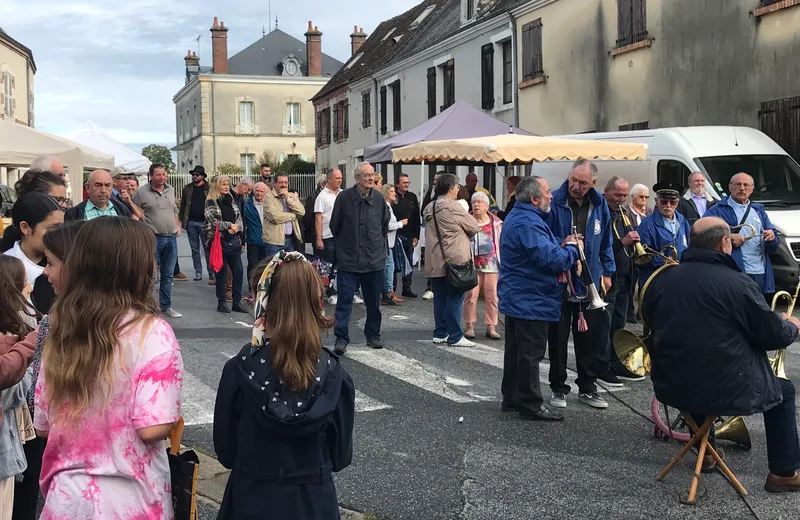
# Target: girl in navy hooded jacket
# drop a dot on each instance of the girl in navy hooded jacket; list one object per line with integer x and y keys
{"x": 283, "y": 419}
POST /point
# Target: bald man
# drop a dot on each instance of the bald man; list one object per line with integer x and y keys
{"x": 99, "y": 202}
{"x": 47, "y": 163}
{"x": 710, "y": 343}
{"x": 752, "y": 255}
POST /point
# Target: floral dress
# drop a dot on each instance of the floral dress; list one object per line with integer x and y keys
{"x": 483, "y": 248}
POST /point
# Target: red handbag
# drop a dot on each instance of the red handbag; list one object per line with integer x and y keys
{"x": 215, "y": 254}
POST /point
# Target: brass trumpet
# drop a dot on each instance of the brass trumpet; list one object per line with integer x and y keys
{"x": 639, "y": 255}
{"x": 734, "y": 229}
{"x": 595, "y": 301}
{"x": 778, "y": 363}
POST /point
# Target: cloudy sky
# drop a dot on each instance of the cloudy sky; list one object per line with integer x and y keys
{"x": 120, "y": 63}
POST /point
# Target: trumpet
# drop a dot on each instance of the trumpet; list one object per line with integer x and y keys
{"x": 639, "y": 255}
{"x": 595, "y": 301}
{"x": 753, "y": 233}
{"x": 778, "y": 363}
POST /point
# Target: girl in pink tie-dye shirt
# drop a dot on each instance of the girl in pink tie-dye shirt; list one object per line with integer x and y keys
{"x": 109, "y": 390}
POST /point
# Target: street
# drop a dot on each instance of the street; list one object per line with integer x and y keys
{"x": 415, "y": 459}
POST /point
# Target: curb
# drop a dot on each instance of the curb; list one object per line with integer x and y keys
{"x": 214, "y": 476}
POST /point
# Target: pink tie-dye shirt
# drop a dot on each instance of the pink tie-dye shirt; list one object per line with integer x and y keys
{"x": 101, "y": 468}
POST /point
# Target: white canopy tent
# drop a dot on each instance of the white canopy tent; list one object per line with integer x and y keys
{"x": 90, "y": 134}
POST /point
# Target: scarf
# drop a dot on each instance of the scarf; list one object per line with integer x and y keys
{"x": 259, "y": 338}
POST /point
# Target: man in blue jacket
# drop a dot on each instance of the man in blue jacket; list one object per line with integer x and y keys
{"x": 576, "y": 203}
{"x": 663, "y": 227}
{"x": 530, "y": 295}
{"x": 254, "y": 216}
{"x": 751, "y": 256}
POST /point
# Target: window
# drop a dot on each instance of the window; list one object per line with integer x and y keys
{"x": 765, "y": 3}
{"x": 247, "y": 118}
{"x": 780, "y": 120}
{"x": 470, "y": 14}
{"x": 337, "y": 123}
{"x": 383, "y": 110}
{"x": 340, "y": 115}
{"x": 508, "y": 74}
{"x": 293, "y": 113}
{"x": 673, "y": 171}
{"x": 431, "y": 92}
{"x": 449, "y": 74}
{"x": 487, "y": 76}
{"x": 247, "y": 161}
{"x": 644, "y": 125}
{"x": 346, "y": 119}
{"x": 532, "y": 65}
{"x": 396, "y": 105}
{"x": 631, "y": 21}
{"x": 366, "y": 109}
{"x": 8, "y": 94}
{"x": 324, "y": 127}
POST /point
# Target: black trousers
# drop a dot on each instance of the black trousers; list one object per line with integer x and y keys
{"x": 26, "y": 493}
{"x": 585, "y": 344}
{"x": 526, "y": 342}
{"x": 255, "y": 255}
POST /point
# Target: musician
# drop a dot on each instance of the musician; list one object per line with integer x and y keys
{"x": 695, "y": 202}
{"x": 609, "y": 369}
{"x": 664, "y": 227}
{"x": 710, "y": 343}
{"x": 530, "y": 296}
{"x": 577, "y": 203}
{"x": 751, "y": 256}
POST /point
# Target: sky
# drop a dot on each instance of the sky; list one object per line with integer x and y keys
{"x": 120, "y": 63}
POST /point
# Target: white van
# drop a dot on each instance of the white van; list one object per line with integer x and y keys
{"x": 719, "y": 152}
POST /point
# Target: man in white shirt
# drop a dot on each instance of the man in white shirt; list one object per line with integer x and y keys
{"x": 325, "y": 246}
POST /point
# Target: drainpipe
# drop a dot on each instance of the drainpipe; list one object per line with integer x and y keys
{"x": 515, "y": 97}
{"x": 213, "y": 126}
{"x": 377, "y": 123}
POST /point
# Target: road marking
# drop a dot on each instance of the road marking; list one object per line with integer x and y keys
{"x": 243, "y": 324}
{"x": 365, "y": 403}
{"x": 199, "y": 408}
{"x": 409, "y": 370}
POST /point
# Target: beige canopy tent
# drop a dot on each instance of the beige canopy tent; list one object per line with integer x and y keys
{"x": 514, "y": 149}
{"x": 20, "y": 144}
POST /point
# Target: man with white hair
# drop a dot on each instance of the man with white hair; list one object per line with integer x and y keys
{"x": 254, "y": 215}
{"x": 100, "y": 203}
{"x": 695, "y": 202}
{"x": 750, "y": 252}
{"x": 47, "y": 163}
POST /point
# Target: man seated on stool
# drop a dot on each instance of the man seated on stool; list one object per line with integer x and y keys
{"x": 711, "y": 333}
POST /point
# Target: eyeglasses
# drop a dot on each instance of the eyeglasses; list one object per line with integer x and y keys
{"x": 671, "y": 202}
{"x": 645, "y": 197}
{"x": 59, "y": 200}
{"x": 741, "y": 185}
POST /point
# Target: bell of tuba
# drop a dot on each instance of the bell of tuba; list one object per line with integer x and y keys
{"x": 779, "y": 361}
{"x": 632, "y": 352}
{"x": 735, "y": 430}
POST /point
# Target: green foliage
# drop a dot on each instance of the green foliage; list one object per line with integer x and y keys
{"x": 161, "y": 155}
{"x": 267, "y": 157}
{"x": 229, "y": 169}
{"x": 294, "y": 165}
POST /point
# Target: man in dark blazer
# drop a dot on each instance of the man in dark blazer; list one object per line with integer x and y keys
{"x": 695, "y": 202}
{"x": 100, "y": 203}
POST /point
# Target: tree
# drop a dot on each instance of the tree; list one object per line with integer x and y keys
{"x": 229, "y": 169}
{"x": 159, "y": 154}
{"x": 267, "y": 157}
{"x": 294, "y": 165}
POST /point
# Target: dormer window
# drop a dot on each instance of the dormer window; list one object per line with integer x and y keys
{"x": 291, "y": 66}
{"x": 467, "y": 11}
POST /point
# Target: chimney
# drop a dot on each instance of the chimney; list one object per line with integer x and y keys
{"x": 219, "y": 47}
{"x": 357, "y": 39}
{"x": 314, "y": 50}
{"x": 191, "y": 59}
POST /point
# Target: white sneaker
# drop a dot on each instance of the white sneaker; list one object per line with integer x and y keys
{"x": 358, "y": 300}
{"x": 463, "y": 342}
{"x": 439, "y": 341}
{"x": 558, "y": 400}
{"x": 333, "y": 300}
{"x": 171, "y": 313}
{"x": 428, "y": 295}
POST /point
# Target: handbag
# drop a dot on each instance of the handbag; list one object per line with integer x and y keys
{"x": 184, "y": 470}
{"x": 231, "y": 244}
{"x": 215, "y": 253}
{"x": 460, "y": 278}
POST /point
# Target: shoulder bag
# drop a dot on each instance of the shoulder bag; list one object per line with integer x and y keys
{"x": 460, "y": 278}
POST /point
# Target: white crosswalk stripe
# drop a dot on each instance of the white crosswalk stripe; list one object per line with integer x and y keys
{"x": 365, "y": 403}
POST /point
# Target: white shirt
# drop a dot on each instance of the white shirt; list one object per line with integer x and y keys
{"x": 32, "y": 270}
{"x": 259, "y": 209}
{"x": 324, "y": 205}
{"x": 394, "y": 225}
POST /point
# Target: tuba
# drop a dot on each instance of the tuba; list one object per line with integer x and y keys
{"x": 632, "y": 352}
{"x": 735, "y": 430}
{"x": 778, "y": 363}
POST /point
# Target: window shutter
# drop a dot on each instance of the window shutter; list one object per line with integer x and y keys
{"x": 536, "y": 39}
{"x": 319, "y": 129}
{"x": 638, "y": 20}
{"x": 431, "y": 92}
{"x": 328, "y": 123}
{"x": 346, "y": 117}
{"x": 383, "y": 110}
{"x": 397, "y": 102}
{"x": 487, "y": 76}
{"x": 336, "y": 122}
{"x": 624, "y": 11}
{"x": 527, "y": 52}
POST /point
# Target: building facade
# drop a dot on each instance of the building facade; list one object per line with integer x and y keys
{"x": 410, "y": 69}
{"x": 637, "y": 64}
{"x": 255, "y": 101}
{"x": 17, "y": 69}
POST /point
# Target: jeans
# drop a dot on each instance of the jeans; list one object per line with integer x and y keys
{"x": 329, "y": 255}
{"x": 234, "y": 261}
{"x": 166, "y": 259}
{"x": 526, "y": 343}
{"x": 585, "y": 345}
{"x": 196, "y": 242}
{"x": 272, "y": 250}
{"x": 617, "y": 317}
{"x": 255, "y": 255}
{"x": 388, "y": 272}
{"x": 371, "y": 287}
{"x": 447, "y": 307}
{"x": 26, "y": 493}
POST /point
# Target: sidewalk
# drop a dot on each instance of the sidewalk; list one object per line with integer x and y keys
{"x": 213, "y": 477}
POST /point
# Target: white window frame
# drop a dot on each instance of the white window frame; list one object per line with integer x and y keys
{"x": 246, "y": 127}
{"x": 244, "y": 159}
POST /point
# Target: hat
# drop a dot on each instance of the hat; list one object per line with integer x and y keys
{"x": 668, "y": 190}
{"x": 200, "y": 170}
{"x": 118, "y": 171}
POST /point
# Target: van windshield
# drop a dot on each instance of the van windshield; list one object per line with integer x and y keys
{"x": 777, "y": 177}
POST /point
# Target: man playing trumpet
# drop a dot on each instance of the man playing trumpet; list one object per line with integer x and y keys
{"x": 750, "y": 251}
{"x": 664, "y": 231}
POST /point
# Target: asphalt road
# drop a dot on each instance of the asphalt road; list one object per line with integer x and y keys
{"x": 414, "y": 459}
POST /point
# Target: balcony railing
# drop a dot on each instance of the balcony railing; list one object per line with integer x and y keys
{"x": 246, "y": 129}
{"x": 294, "y": 129}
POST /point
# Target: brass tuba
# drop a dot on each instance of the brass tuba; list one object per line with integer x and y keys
{"x": 735, "y": 430}
{"x": 779, "y": 361}
{"x": 632, "y": 352}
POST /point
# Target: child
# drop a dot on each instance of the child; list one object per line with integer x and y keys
{"x": 283, "y": 420}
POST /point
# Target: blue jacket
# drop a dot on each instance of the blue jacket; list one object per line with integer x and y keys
{"x": 532, "y": 259}
{"x": 254, "y": 224}
{"x": 725, "y": 211}
{"x": 655, "y": 235}
{"x": 598, "y": 242}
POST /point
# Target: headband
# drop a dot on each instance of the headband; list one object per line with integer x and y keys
{"x": 262, "y": 293}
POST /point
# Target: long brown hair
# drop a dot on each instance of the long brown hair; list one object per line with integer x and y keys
{"x": 12, "y": 303}
{"x": 106, "y": 276}
{"x": 294, "y": 315}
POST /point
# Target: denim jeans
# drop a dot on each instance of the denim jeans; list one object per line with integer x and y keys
{"x": 166, "y": 259}
{"x": 616, "y": 319}
{"x": 234, "y": 261}
{"x": 447, "y": 307}
{"x": 388, "y": 272}
{"x": 371, "y": 287}
{"x": 272, "y": 250}
{"x": 197, "y": 242}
